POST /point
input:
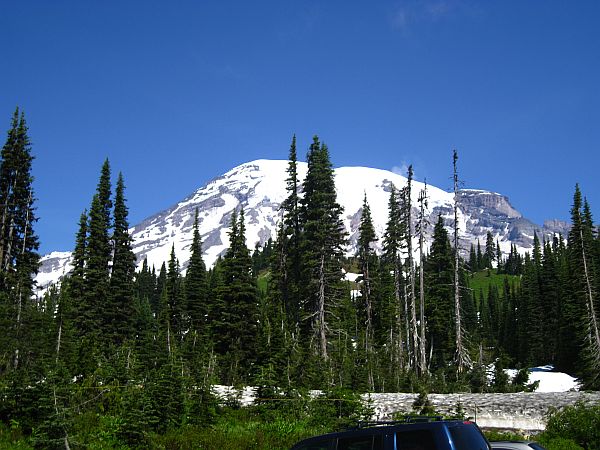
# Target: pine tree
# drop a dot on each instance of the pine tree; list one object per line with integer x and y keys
{"x": 119, "y": 324}
{"x": 584, "y": 302}
{"x": 439, "y": 269}
{"x": 175, "y": 299}
{"x": 18, "y": 242}
{"x": 393, "y": 245}
{"x": 322, "y": 246}
{"x": 490, "y": 251}
{"x": 195, "y": 286}
{"x": 367, "y": 257}
{"x": 473, "y": 266}
{"x": 290, "y": 239}
{"x": 238, "y": 297}
{"x": 98, "y": 256}
{"x": 75, "y": 283}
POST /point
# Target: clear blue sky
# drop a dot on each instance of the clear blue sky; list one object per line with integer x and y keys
{"x": 176, "y": 93}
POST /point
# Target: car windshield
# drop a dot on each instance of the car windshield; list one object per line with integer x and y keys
{"x": 466, "y": 436}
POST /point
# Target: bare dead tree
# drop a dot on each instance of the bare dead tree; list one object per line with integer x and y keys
{"x": 592, "y": 322}
{"x": 422, "y": 224}
{"x": 463, "y": 360}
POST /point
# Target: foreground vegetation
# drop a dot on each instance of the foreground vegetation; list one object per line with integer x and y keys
{"x": 280, "y": 423}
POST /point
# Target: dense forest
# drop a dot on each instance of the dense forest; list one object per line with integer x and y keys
{"x": 138, "y": 350}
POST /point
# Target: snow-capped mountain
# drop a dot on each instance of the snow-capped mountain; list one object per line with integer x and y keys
{"x": 259, "y": 186}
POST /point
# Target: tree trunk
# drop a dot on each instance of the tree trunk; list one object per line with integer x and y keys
{"x": 411, "y": 273}
{"x": 422, "y": 346}
{"x": 321, "y": 324}
{"x": 594, "y": 333}
{"x": 462, "y": 357}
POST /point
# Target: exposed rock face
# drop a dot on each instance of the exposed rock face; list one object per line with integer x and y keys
{"x": 259, "y": 188}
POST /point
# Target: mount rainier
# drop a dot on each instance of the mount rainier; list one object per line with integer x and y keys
{"x": 259, "y": 186}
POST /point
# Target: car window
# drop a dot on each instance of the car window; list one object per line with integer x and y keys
{"x": 361, "y": 443}
{"x": 324, "y": 444}
{"x": 466, "y": 436}
{"x": 415, "y": 440}
{"x": 536, "y": 446}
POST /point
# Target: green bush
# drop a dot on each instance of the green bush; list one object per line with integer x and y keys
{"x": 559, "y": 444}
{"x": 579, "y": 423}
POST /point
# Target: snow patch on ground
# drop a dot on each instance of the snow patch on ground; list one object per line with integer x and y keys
{"x": 549, "y": 381}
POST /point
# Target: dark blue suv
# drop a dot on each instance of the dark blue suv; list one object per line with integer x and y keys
{"x": 414, "y": 433}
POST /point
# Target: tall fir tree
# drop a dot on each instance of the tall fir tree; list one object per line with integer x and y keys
{"x": 322, "y": 247}
{"x": 584, "y": 302}
{"x": 368, "y": 262}
{"x": 290, "y": 239}
{"x": 393, "y": 246}
{"x": 98, "y": 255}
{"x": 175, "y": 299}
{"x": 439, "y": 269}
{"x": 120, "y": 312}
{"x": 196, "y": 286}
{"x": 238, "y": 297}
{"x": 18, "y": 242}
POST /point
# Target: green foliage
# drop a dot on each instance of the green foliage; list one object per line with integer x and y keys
{"x": 423, "y": 406}
{"x": 11, "y": 437}
{"x": 580, "y": 423}
{"x": 482, "y": 280}
{"x": 494, "y": 435}
{"x": 337, "y": 409}
{"x": 559, "y": 444}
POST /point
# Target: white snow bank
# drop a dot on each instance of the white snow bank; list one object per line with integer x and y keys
{"x": 549, "y": 381}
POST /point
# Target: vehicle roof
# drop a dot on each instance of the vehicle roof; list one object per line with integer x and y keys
{"x": 517, "y": 445}
{"x": 371, "y": 428}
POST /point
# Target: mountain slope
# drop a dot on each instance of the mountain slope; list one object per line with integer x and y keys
{"x": 259, "y": 186}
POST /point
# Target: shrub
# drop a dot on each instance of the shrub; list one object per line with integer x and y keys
{"x": 579, "y": 423}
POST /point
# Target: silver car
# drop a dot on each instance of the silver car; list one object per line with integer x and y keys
{"x": 516, "y": 445}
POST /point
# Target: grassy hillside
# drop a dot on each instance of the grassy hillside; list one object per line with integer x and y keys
{"x": 483, "y": 279}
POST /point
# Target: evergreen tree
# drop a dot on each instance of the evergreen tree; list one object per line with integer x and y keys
{"x": 367, "y": 260}
{"x": 119, "y": 325}
{"x": 74, "y": 285}
{"x": 583, "y": 303}
{"x": 439, "y": 269}
{"x": 322, "y": 247}
{"x": 238, "y": 297}
{"x": 98, "y": 256}
{"x": 290, "y": 240}
{"x": 490, "y": 251}
{"x": 18, "y": 241}
{"x": 175, "y": 299}
{"x": 480, "y": 259}
{"x": 473, "y": 266}
{"x": 393, "y": 245}
{"x": 195, "y": 285}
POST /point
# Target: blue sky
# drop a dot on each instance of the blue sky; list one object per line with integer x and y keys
{"x": 176, "y": 93}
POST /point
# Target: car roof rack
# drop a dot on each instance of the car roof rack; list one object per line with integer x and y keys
{"x": 404, "y": 420}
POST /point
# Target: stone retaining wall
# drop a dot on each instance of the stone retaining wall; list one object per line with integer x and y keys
{"x": 517, "y": 411}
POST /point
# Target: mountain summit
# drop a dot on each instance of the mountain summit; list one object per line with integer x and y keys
{"x": 259, "y": 186}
